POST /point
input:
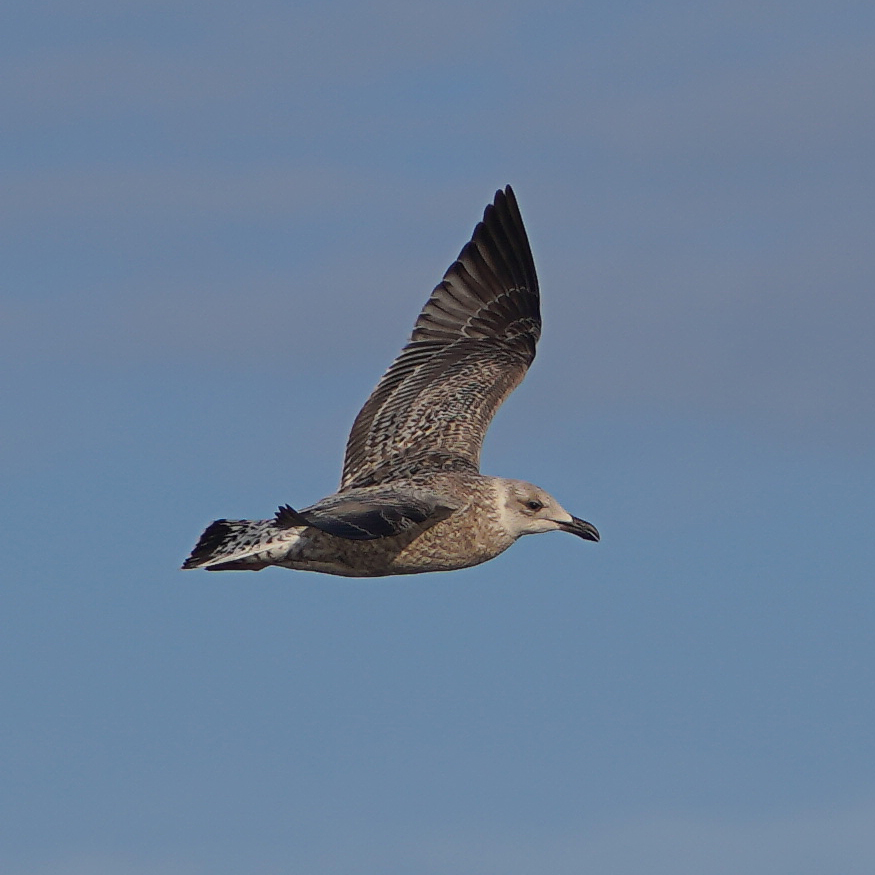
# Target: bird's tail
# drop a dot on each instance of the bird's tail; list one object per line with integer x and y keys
{"x": 228, "y": 545}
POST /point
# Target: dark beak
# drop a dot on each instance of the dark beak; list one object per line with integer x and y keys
{"x": 581, "y": 528}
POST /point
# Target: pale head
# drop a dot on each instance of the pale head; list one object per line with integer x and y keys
{"x": 526, "y": 509}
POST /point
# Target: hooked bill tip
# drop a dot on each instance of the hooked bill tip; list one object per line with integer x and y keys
{"x": 581, "y": 528}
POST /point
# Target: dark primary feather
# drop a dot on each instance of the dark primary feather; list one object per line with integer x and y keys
{"x": 371, "y": 515}
{"x": 471, "y": 346}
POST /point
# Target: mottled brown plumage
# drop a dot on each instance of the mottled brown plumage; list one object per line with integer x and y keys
{"x": 471, "y": 347}
{"x": 411, "y": 497}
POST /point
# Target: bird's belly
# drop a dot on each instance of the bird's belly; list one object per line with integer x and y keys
{"x": 439, "y": 548}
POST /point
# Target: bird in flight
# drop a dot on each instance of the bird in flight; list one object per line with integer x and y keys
{"x": 411, "y": 497}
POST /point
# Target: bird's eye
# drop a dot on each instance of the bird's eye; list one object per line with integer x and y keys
{"x": 534, "y": 504}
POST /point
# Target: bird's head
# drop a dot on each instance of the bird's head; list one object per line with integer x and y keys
{"x": 526, "y": 509}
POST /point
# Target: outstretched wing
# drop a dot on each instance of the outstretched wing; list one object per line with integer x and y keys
{"x": 368, "y": 514}
{"x": 470, "y": 348}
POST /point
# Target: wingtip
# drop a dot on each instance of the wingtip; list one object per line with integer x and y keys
{"x": 505, "y": 206}
{"x": 505, "y": 194}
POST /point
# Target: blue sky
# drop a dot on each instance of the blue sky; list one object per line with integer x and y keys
{"x": 218, "y": 224}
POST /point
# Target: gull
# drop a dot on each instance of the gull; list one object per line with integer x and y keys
{"x": 411, "y": 497}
